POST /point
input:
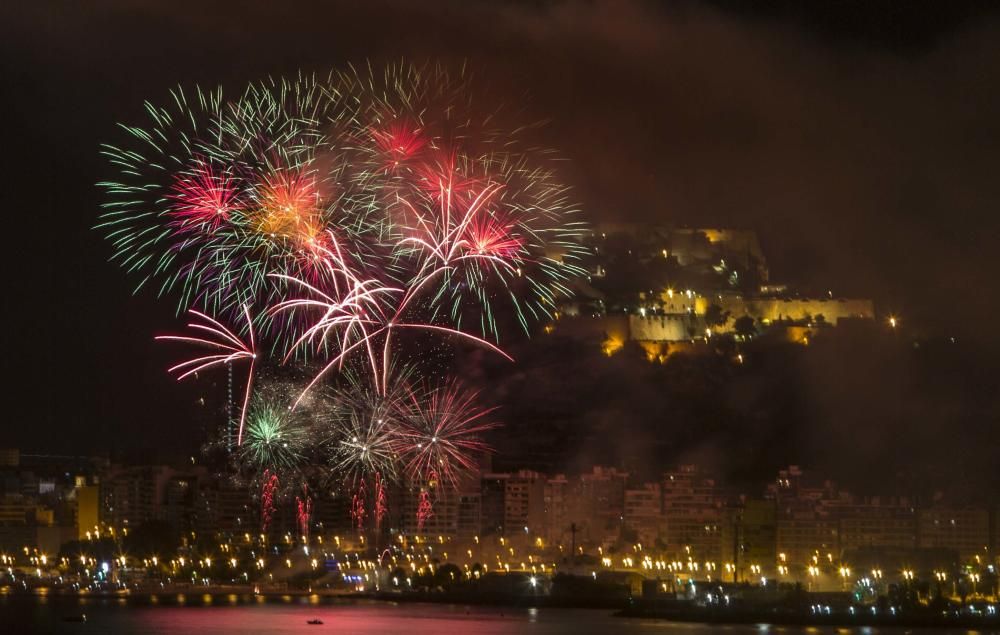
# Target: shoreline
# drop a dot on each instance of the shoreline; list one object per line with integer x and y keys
{"x": 246, "y": 595}
{"x": 794, "y": 618}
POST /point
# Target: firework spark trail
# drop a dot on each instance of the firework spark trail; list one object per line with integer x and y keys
{"x": 445, "y": 239}
{"x": 231, "y": 349}
{"x": 425, "y": 509}
{"x": 303, "y": 513}
{"x": 268, "y": 494}
{"x": 358, "y": 513}
{"x": 349, "y": 306}
{"x": 366, "y": 309}
{"x": 381, "y": 504}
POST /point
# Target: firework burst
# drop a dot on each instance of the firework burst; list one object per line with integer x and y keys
{"x": 441, "y": 433}
{"x": 203, "y": 200}
{"x": 275, "y": 439}
{"x": 365, "y": 432}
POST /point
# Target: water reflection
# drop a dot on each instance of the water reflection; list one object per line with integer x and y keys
{"x": 234, "y": 614}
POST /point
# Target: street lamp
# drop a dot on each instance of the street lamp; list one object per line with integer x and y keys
{"x": 845, "y": 572}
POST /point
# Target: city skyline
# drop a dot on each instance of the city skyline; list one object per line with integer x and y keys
{"x": 800, "y": 527}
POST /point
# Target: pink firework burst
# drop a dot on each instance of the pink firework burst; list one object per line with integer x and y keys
{"x": 310, "y": 258}
{"x": 441, "y": 433}
{"x": 202, "y": 199}
{"x": 488, "y": 235}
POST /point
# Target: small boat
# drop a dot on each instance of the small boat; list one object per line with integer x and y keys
{"x": 315, "y": 621}
{"x": 82, "y": 617}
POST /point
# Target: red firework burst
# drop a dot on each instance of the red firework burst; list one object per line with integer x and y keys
{"x": 488, "y": 235}
{"x": 398, "y": 142}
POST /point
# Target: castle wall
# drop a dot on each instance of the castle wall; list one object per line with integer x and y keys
{"x": 615, "y": 330}
{"x": 658, "y": 328}
{"x": 773, "y": 309}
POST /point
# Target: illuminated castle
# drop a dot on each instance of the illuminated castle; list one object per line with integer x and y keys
{"x": 659, "y": 285}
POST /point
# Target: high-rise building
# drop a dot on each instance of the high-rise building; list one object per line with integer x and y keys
{"x": 692, "y": 514}
{"x": 430, "y": 507}
{"x": 134, "y": 495}
{"x": 644, "y": 512}
{"x": 492, "y": 503}
{"x": 469, "y": 521}
{"x": 221, "y": 508}
{"x": 808, "y": 517}
{"x": 524, "y": 502}
{"x": 598, "y": 504}
{"x": 556, "y": 523}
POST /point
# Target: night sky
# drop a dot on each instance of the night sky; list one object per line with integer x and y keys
{"x": 860, "y": 139}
